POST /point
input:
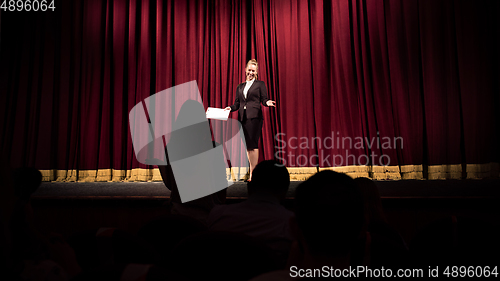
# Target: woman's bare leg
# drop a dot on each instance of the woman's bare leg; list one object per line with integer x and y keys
{"x": 253, "y": 158}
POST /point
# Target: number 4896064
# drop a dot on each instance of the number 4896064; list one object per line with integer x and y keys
{"x": 27, "y": 5}
{"x": 470, "y": 271}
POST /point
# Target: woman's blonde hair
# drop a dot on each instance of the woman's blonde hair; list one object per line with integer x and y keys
{"x": 254, "y": 62}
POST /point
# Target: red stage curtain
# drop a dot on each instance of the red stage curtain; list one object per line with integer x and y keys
{"x": 424, "y": 71}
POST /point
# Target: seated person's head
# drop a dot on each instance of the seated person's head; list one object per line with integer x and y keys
{"x": 328, "y": 214}
{"x": 269, "y": 177}
{"x": 26, "y": 181}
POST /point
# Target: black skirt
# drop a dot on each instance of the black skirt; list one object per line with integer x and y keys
{"x": 252, "y": 129}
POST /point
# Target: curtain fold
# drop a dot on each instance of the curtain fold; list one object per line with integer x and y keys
{"x": 412, "y": 85}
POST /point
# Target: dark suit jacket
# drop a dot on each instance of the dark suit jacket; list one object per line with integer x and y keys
{"x": 256, "y": 95}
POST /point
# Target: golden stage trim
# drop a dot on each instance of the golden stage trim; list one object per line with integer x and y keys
{"x": 406, "y": 172}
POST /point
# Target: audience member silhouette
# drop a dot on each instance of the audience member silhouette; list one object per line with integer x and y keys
{"x": 327, "y": 224}
{"x": 26, "y": 182}
{"x": 381, "y": 245}
{"x": 26, "y": 237}
{"x": 261, "y": 215}
{"x": 36, "y": 255}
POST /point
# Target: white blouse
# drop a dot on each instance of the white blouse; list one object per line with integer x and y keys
{"x": 247, "y": 86}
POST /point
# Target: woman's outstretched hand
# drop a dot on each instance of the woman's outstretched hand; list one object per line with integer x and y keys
{"x": 271, "y": 103}
{"x": 227, "y": 108}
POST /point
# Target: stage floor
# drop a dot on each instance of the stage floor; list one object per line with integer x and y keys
{"x": 486, "y": 188}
